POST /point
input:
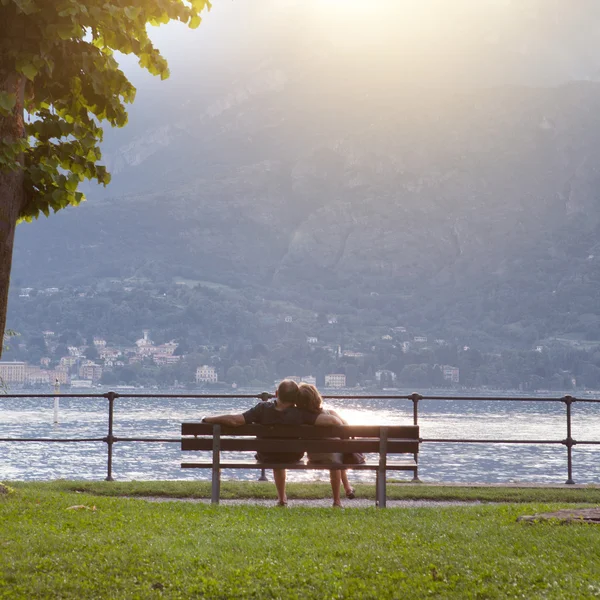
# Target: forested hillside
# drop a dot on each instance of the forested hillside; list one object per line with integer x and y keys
{"x": 485, "y": 225}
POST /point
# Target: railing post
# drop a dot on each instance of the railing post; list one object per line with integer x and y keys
{"x": 56, "y": 402}
{"x": 569, "y": 442}
{"x": 110, "y": 439}
{"x": 264, "y": 397}
{"x": 415, "y": 400}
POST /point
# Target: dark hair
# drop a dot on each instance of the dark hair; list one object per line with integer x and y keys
{"x": 287, "y": 391}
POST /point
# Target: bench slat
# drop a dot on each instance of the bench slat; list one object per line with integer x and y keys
{"x": 408, "y": 465}
{"x": 287, "y": 445}
{"x": 305, "y": 431}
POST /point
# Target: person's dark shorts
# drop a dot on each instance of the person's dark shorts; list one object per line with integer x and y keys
{"x": 279, "y": 457}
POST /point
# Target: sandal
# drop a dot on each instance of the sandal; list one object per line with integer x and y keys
{"x": 282, "y": 503}
{"x": 351, "y": 494}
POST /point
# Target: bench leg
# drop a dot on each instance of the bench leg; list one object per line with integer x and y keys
{"x": 216, "y": 486}
{"x": 415, "y": 478}
{"x": 381, "y": 488}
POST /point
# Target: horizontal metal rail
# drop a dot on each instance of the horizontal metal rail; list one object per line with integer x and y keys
{"x": 58, "y": 440}
{"x": 415, "y": 398}
{"x": 487, "y": 441}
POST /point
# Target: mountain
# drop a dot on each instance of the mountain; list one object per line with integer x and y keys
{"x": 454, "y": 197}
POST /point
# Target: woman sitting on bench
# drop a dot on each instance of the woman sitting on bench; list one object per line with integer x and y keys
{"x": 310, "y": 399}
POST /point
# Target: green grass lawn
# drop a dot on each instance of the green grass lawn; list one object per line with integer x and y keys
{"x": 130, "y": 548}
{"x": 266, "y": 490}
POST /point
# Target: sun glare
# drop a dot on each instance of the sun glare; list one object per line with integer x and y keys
{"x": 375, "y": 22}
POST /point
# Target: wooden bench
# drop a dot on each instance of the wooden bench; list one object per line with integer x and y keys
{"x": 368, "y": 439}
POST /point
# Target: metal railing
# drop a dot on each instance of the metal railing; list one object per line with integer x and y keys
{"x": 110, "y": 439}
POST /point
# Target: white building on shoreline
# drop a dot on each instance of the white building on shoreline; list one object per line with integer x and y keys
{"x": 206, "y": 374}
{"x": 335, "y": 380}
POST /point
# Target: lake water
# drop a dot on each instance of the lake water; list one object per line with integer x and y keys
{"x": 161, "y": 418}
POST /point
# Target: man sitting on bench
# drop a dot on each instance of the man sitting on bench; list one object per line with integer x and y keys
{"x": 282, "y": 411}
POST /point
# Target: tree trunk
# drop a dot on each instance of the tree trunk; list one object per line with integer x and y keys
{"x": 11, "y": 191}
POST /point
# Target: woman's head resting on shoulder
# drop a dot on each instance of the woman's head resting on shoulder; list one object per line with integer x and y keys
{"x": 309, "y": 398}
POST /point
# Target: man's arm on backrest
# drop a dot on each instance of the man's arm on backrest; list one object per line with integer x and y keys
{"x": 252, "y": 415}
{"x": 229, "y": 420}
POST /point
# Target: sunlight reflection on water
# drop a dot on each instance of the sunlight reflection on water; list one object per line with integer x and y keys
{"x": 155, "y": 417}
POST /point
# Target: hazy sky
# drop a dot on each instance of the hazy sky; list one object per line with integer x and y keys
{"x": 549, "y": 40}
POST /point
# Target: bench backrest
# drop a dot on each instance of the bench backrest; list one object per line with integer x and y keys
{"x": 397, "y": 439}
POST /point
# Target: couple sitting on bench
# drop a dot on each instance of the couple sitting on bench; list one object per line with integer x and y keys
{"x": 293, "y": 405}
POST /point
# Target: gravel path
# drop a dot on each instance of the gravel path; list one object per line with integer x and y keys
{"x": 323, "y": 503}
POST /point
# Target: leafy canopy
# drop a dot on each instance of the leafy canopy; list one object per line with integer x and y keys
{"x": 64, "y": 52}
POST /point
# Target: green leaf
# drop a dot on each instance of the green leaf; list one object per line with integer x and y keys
{"x": 59, "y": 196}
{"x": 29, "y": 70}
{"x": 132, "y": 12}
{"x": 7, "y": 102}
{"x": 200, "y": 5}
{"x": 65, "y": 32}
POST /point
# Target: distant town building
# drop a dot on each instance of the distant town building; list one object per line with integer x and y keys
{"x": 310, "y": 379}
{"x": 109, "y": 353}
{"x": 206, "y": 374}
{"x": 335, "y": 380}
{"x": 61, "y": 375}
{"x": 295, "y": 378}
{"x": 36, "y": 376}
{"x": 420, "y": 339}
{"x": 145, "y": 340}
{"x": 332, "y": 320}
{"x": 311, "y": 340}
{"x": 68, "y": 361}
{"x": 385, "y": 375}
{"x": 405, "y": 346}
{"x": 81, "y": 383}
{"x": 99, "y": 343}
{"x": 451, "y": 373}
{"x": 386, "y": 337}
{"x": 12, "y": 371}
{"x": 165, "y": 359}
{"x": 90, "y": 370}
{"x": 353, "y": 354}
{"x": 288, "y": 319}
{"x": 146, "y": 347}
